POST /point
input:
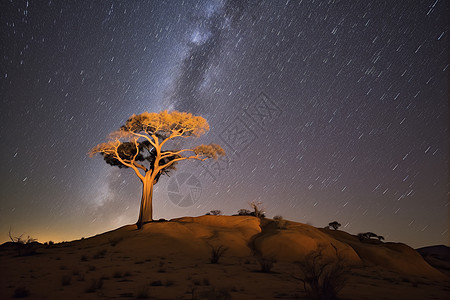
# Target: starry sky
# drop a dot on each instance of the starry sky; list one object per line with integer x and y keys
{"x": 328, "y": 110}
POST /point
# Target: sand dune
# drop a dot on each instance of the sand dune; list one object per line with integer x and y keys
{"x": 171, "y": 260}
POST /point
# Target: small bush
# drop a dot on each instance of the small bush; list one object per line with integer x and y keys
{"x": 215, "y": 212}
{"x": 21, "y": 292}
{"x": 323, "y": 277}
{"x": 244, "y": 212}
{"x": 266, "y": 263}
{"x": 24, "y": 247}
{"x": 216, "y": 253}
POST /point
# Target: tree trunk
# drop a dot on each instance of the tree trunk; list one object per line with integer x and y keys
{"x": 146, "y": 209}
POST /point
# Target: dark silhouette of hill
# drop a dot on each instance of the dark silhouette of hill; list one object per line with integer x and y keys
{"x": 437, "y": 256}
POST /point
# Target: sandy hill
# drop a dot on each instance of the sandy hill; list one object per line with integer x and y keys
{"x": 437, "y": 256}
{"x": 171, "y": 260}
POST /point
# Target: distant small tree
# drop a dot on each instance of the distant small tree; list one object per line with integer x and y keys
{"x": 369, "y": 235}
{"x": 216, "y": 212}
{"x": 139, "y": 145}
{"x": 335, "y": 225}
{"x": 244, "y": 212}
{"x": 257, "y": 209}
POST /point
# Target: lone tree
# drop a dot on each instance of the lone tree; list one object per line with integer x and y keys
{"x": 139, "y": 145}
{"x": 335, "y": 225}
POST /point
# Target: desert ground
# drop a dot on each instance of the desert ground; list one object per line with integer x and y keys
{"x": 172, "y": 260}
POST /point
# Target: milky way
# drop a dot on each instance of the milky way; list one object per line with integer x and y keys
{"x": 328, "y": 110}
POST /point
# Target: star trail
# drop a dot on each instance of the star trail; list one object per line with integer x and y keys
{"x": 328, "y": 110}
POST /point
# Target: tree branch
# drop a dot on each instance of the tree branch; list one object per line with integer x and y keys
{"x": 171, "y": 153}
{"x": 197, "y": 157}
{"x": 117, "y": 156}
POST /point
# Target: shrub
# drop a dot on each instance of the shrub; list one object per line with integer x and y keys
{"x": 266, "y": 263}
{"x": 216, "y": 212}
{"x": 216, "y": 253}
{"x": 244, "y": 212}
{"x": 24, "y": 247}
{"x": 323, "y": 277}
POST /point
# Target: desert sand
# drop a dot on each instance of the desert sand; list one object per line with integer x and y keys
{"x": 172, "y": 260}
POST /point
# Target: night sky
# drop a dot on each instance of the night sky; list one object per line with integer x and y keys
{"x": 328, "y": 110}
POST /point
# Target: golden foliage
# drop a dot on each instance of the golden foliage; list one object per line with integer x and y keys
{"x": 108, "y": 147}
{"x": 166, "y": 123}
{"x": 156, "y": 129}
{"x": 210, "y": 151}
